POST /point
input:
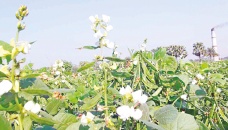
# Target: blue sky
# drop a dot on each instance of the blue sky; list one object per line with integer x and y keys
{"x": 58, "y": 26}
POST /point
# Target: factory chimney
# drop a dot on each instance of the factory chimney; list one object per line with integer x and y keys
{"x": 214, "y": 44}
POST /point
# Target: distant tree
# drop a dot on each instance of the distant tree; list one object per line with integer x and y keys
{"x": 199, "y": 50}
{"x": 177, "y": 51}
{"x": 211, "y": 53}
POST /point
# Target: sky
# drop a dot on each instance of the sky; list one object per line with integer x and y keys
{"x": 59, "y": 27}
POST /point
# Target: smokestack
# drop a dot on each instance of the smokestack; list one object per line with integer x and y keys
{"x": 214, "y": 44}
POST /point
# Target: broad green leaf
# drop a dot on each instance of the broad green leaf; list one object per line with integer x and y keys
{"x": 42, "y": 120}
{"x": 37, "y": 91}
{"x": 166, "y": 114}
{"x": 4, "y": 124}
{"x": 120, "y": 74}
{"x": 182, "y": 122}
{"x": 115, "y": 59}
{"x": 159, "y": 54}
{"x": 145, "y": 112}
{"x": 169, "y": 63}
{"x": 33, "y": 82}
{"x": 64, "y": 119}
{"x": 86, "y": 66}
{"x": 183, "y": 78}
{"x": 53, "y": 106}
{"x": 27, "y": 123}
{"x": 91, "y": 102}
{"x": 151, "y": 125}
{"x": 8, "y": 48}
{"x": 8, "y": 103}
{"x": 74, "y": 126}
{"x": 2, "y": 74}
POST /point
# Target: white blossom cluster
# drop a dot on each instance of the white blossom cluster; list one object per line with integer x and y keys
{"x": 5, "y": 86}
{"x": 101, "y": 29}
{"x": 125, "y": 111}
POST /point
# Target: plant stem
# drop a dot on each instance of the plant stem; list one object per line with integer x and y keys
{"x": 105, "y": 95}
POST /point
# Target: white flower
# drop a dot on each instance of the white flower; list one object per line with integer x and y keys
{"x": 26, "y": 46}
{"x": 199, "y": 76}
{"x": 110, "y": 45}
{"x": 124, "y": 91}
{"x": 98, "y": 34}
{"x": 17, "y": 72}
{"x": 36, "y": 108}
{"x": 33, "y": 107}
{"x": 135, "y": 62}
{"x": 5, "y": 86}
{"x": 63, "y": 81}
{"x": 58, "y": 63}
{"x": 136, "y": 113}
{"x": 29, "y": 105}
{"x": 218, "y": 90}
{"x": 194, "y": 81}
{"x": 105, "y": 18}
{"x": 93, "y": 19}
{"x": 116, "y": 53}
{"x": 57, "y": 72}
{"x": 139, "y": 97}
{"x": 86, "y": 119}
{"x": 109, "y": 28}
{"x": 143, "y": 47}
{"x": 184, "y": 97}
{"x": 124, "y": 112}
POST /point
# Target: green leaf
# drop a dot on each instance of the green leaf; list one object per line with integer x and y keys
{"x": 202, "y": 126}
{"x": 149, "y": 63}
{"x": 223, "y": 115}
{"x": 169, "y": 63}
{"x": 2, "y": 74}
{"x": 166, "y": 114}
{"x": 91, "y": 47}
{"x": 86, "y": 66}
{"x": 74, "y": 126}
{"x": 27, "y": 123}
{"x": 37, "y": 91}
{"x": 4, "y": 124}
{"x": 120, "y": 74}
{"x": 53, "y": 106}
{"x": 65, "y": 120}
{"x": 115, "y": 59}
{"x": 91, "y": 102}
{"x": 159, "y": 54}
{"x": 42, "y": 120}
{"x": 7, "y": 102}
{"x": 183, "y": 78}
{"x": 182, "y": 122}
{"x": 8, "y": 48}
{"x": 145, "y": 111}
{"x": 151, "y": 125}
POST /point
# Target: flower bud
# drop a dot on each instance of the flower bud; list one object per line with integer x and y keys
{"x": 17, "y": 86}
{"x": 20, "y": 26}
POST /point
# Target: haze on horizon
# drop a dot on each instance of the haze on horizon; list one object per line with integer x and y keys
{"x": 59, "y": 27}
